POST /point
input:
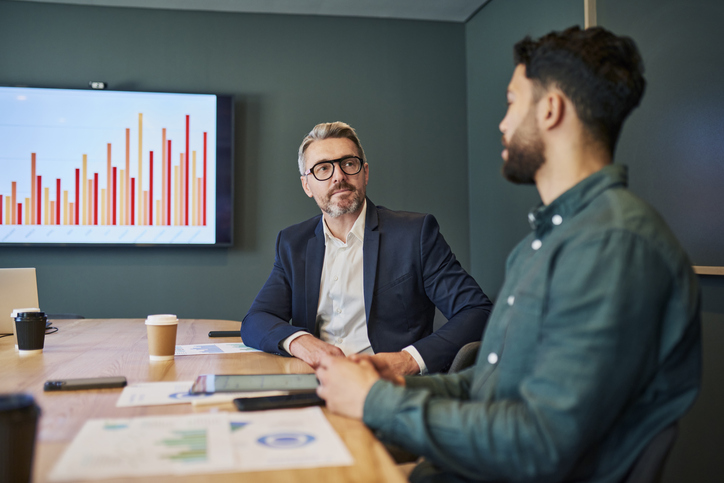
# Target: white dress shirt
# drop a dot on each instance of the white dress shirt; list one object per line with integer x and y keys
{"x": 341, "y": 310}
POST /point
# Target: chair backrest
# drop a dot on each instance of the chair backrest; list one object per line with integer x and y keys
{"x": 465, "y": 357}
{"x": 649, "y": 466}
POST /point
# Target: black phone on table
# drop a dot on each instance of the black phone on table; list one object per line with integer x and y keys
{"x": 298, "y": 400}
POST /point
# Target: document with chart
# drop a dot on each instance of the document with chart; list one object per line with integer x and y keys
{"x": 202, "y": 443}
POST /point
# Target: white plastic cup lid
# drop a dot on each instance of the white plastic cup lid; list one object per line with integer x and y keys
{"x": 161, "y": 319}
{"x": 20, "y": 311}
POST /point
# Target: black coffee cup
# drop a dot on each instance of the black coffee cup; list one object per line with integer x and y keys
{"x": 30, "y": 331}
{"x": 18, "y": 425}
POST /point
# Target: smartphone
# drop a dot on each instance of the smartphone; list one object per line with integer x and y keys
{"x": 213, "y": 383}
{"x": 85, "y": 383}
{"x": 278, "y": 402}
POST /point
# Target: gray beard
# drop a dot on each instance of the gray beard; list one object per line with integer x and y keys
{"x": 335, "y": 211}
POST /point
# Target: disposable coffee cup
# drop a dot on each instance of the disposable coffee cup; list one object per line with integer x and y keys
{"x": 30, "y": 331}
{"x": 161, "y": 330}
{"x": 18, "y": 426}
{"x": 14, "y": 314}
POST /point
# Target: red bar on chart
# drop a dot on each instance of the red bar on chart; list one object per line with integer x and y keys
{"x": 204, "y": 183}
{"x": 108, "y": 183}
{"x": 168, "y": 191}
{"x": 77, "y": 196}
{"x": 57, "y": 202}
{"x": 95, "y": 198}
{"x": 115, "y": 174}
{"x": 186, "y": 176}
{"x": 33, "y": 190}
{"x": 37, "y": 202}
{"x": 150, "y": 188}
{"x": 133, "y": 201}
{"x": 20, "y": 213}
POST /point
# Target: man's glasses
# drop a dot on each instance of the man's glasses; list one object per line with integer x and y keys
{"x": 324, "y": 170}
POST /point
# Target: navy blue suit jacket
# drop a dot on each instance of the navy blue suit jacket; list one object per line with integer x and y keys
{"x": 409, "y": 269}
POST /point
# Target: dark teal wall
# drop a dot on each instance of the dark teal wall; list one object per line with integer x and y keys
{"x": 499, "y": 209}
{"x": 400, "y": 83}
{"x": 672, "y": 141}
{"x": 674, "y": 146}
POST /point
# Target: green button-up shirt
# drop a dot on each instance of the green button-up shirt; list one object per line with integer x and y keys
{"x": 592, "y": 348}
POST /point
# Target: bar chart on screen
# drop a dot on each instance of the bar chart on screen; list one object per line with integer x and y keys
{"x": 106, "y": 167}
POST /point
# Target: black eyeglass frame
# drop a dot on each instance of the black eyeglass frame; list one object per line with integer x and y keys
{"x": 338, "y": 161}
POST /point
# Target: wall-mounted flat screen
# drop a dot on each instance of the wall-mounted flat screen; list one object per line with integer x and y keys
{"x": 115, "y": 167}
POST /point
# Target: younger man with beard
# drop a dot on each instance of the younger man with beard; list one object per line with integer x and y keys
{"x": 594, "y": 345}
{"x": 360, "y": 278}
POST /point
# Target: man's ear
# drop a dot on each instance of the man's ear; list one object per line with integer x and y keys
{"x": 305, "y": 186}
{"x": 552, "y": 110}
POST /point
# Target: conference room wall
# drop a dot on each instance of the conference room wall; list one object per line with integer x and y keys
{"x": 400, "y": 83}
{"x": 678, "y": 121}
{"x": 499, "y": 209}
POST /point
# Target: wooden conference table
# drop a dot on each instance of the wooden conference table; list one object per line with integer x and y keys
{"x": 118, "y": 347}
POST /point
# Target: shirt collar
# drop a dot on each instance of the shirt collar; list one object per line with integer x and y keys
{"x": 358, "y": 229}
{"x": 544, "y": 217}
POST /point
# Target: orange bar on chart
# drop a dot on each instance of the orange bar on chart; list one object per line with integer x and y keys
{"x": 46, "y": 203}
{"x": 104, "y": 205}
{"x": 176, "y": 202}
{"x": 88, "y": 211}
{"x": 194, "y": 193}
{"x": 145, "y": 207}
{"x": 71, "y": 209}
{"x": 164, "y": 177}
{"x": 121, "y": 204}
{"x": 139, "y": 177}
{"x": 27, "y": 211}
{"x": 52, "y": 212}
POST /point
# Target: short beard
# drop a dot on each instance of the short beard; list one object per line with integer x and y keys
{"x": 335, "y": 210}
{"x": 525, "y": 153}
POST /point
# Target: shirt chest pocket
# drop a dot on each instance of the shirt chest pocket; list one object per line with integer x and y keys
{"x": 520, "y": 342}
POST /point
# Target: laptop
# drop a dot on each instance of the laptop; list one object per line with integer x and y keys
{"x": 18, "y": 290}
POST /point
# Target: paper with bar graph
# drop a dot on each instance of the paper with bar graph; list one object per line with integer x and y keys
{"x": 106, "y": 167}
{"x": 202, "y": 443}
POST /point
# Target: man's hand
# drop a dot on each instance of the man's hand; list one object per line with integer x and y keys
{"x": 391, "y": 365}
{"x": 344, "y": 384}
{"x": 310, "y": 349}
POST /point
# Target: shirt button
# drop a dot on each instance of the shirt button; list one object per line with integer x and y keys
{"x": 493, "y": 358}
{"x": 511, "y": 300}
{"x": 339, "y": 311}
{"x": 536, "y": 244}
{"x": 336, "y": 278}
{"x": 557, "y": 219}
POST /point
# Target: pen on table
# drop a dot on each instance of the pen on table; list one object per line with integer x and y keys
{"x": 224, "y": 333}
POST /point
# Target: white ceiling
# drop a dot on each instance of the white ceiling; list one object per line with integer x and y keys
{"x": 436, "y": 10}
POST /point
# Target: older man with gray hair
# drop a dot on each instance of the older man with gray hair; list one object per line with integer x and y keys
{"x": 359, "y": 278}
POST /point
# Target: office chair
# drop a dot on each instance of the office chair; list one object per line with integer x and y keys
{"x": 465, "y": 357}
{"x": 649, "y": 466}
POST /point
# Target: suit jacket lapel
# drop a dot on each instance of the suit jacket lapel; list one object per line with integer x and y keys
{"x": 370, "y": 253}
{"x": 313, "y": 276}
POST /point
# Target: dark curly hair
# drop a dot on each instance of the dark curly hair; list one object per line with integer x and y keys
{"x": 601, "y": 73}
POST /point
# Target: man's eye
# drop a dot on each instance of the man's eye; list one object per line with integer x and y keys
{"x": 322, "y": 168}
